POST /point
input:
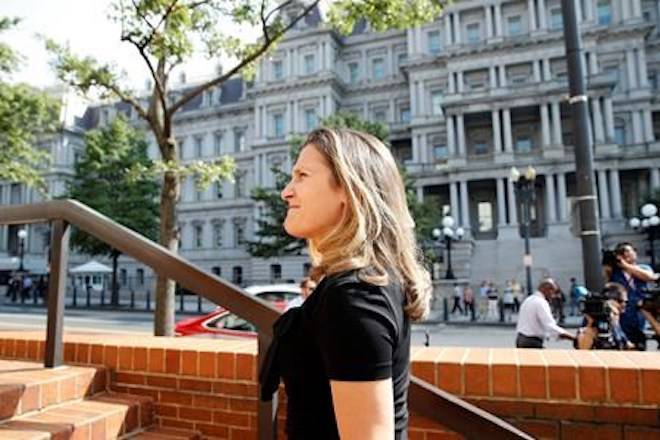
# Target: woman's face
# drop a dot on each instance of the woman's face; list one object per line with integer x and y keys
{"x": 315, "y": 201}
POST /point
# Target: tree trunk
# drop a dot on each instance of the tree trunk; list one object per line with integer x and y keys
{"x": 169, "y": 237}
{"x": 114, "y": 295}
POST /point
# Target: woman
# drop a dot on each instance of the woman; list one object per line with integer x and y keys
{"x": 344, "y": 354}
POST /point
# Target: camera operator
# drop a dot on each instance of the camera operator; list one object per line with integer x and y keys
{"x": 614, "y": 298}
{"x": 535, "y": 319}
{"x": 633, "y": 277}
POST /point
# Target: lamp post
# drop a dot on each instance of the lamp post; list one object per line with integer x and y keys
{"x": 649, "y": 223}
{"x": 526, "y": 192}
{"x": 22, "y": 235}
{"x": 448, "y": 233}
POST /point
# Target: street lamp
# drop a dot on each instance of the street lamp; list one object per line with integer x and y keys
{"x": 649, "y": 223}
{"x": 22, "y": 235}
{"x": 526, "y": 193}
{"x": 448, "y": 233}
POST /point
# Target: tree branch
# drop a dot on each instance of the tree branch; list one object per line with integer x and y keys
{"x": 222, "y": 78}
{"x": 141, "y": 49}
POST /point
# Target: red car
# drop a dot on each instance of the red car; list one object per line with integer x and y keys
{"x": 222, "y": 323}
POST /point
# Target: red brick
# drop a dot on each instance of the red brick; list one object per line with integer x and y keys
{"x": 175, "y": 397}
{"x": 639, "y": 433}
{"x": 129, "y": 378}
{"x": 207, "y": 364}
{"x": 242, "y": 434}
{"x": 626, "y": 415}
{"x": 173, "y": 361}
{"x": 189, "y": 361}
{"x": 582, "y": 431}
{"x": 229, "y": 418}
{"x": 69, "y": 351}
{"x": 540, "y": 429}
{"x": 505, "y": 380}
{"x": 126, "y": 358}
{"x": 532, "y": 381}
{"x": 563, "y": 411}
{"x": 245, "y": 366}
{"x": 176, "y": 423}
{"x": 214, "y": 430}
{"x": 195, "y": 385}
{"x": 162, "y": 382}
{"x": 449, "y": 377}
{"x": 211, "y": 402}
{"x": 140, "y": 359}
{"x": 110, "y": 357}
{"x": 562, "y": 382}
{"x": 593, "y": 386}
{"x": 623, "y": 394}
{"x": 446, "y": 435}
{"x": 96, "y": 356}
{"x": 156, "y": 360}
{"x": 196, "y": 414}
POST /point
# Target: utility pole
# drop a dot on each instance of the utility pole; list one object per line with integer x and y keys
{"x": 584, "y": 168}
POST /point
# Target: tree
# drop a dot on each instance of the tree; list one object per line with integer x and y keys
{"x": 25, "y": 114}
{"x": 166, "y": 33}
{"x": 272, "y": 239}
{"x": 101, "y": 181}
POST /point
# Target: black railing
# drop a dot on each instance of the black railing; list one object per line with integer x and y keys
{"x": 424, "y": 399}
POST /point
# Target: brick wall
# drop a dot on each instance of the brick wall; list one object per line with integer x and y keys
{"x": 210, "y": 385}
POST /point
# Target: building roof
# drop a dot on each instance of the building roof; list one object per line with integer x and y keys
{"x": 91, "y": 266}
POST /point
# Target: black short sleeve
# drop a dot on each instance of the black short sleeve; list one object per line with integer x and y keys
{"x": 357, "y": 333}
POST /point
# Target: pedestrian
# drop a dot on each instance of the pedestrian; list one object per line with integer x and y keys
{"x": 483, "y": 298}
{"x": 26, "y": 288}
{"x": 457, "y": 296}
{"x": 468, "y": 300}
{"x": 344, "y": 355}
{"x": 307, "y": 285}
{"x": 517, "y": 294}
{"x": 493, "y": 298}
{"x": 535, "y": 321}
{"x": 508, "y": 301}
{"x": 557, "y": 302}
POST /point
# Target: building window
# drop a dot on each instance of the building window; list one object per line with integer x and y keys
{"x": 620, "y": 135}
{"x": 404, "y": 115}
{"x": 237, "y": 275}
{"x": 473, "y": 33}
{"x": 480, "y": 148}
{"x": 275, "y": 272}
{"x": 604, "y": 12}
{"x": 199, "y": 195}
{"x": 514, "y": 25}
{"x": 182, "y": 146}
{"x": 216, "y": 270}
{"x": 217, "y": 234}
{"x": 239, "y": 232}
{"x": 199, "y": 146}
{"x": 198, "y": 237}
{"x": 523, "y": 145}
{"x": 435, "y": 44}
{"x": 556, "y": 19}
{"x": 401, "y": 59}
{"x": 239, "y": 141}
{"x": 218, "y": 190}
{"x": 440, "y": 152}
{"x": 139, "y": 275}
{"x": 378, "y": 69}
{"x": 436, "y": 102}
{"x": 278, "y": 70}
{"x": 353, "y": 72}
{"x": 485, "y": 213}
{"x": 310, "y": 119}
{"x": 217, "y": 143}
{"x": 309, "y": 64}
{"x": 278, "y": 125}
{"x": 306, "y": 268}
{"x": 123, "y": 276}
{"x": 380, "y": 115}
{"x": 239, "y": 185}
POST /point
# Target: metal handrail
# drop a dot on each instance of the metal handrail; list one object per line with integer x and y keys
{"x": 424, "y": 399}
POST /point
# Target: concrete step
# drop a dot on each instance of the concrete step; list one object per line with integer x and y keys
{"x": 27, "y": 386}
{"x": 107, "y": 416}
{"x": 165, "y": 434}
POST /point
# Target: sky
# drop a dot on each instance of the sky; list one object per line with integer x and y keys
{"x": 85, "y": 26}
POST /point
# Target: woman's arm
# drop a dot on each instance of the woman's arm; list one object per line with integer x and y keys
{"x": 638, "y": 272}
{"x": 364, "y": 410}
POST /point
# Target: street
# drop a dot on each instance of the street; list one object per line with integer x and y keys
{"x": 480, "y": 335}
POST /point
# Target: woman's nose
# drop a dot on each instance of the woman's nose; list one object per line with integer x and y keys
{"x": 287, "y": 192}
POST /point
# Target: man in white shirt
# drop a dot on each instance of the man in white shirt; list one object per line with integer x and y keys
{"x": 535, "y": 320}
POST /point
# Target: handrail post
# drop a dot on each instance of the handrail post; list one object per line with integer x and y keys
{"x": 59, "y": 261}
{"x": 266, "y": 411}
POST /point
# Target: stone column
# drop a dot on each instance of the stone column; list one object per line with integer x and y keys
{"x": 593, "y": 62}
{"x": 453, "y": 200}
{"x": 615, "y": 189}
{"x": 550, "y": 198}
{"x": 638, "y": 135}
{"x": 542, "y": 19}
{"x": 513, "y": 215}
{"x": 424, "y": 150}
{"x": 460, "y": 129}
{"x": 578, "y": 11}
{"x": 459, "y": 81}
{"x": 508, "y": 138}
{"x": 497, "y": 134}
{"x": 556, "y": 123}
{"x": 625, "y": 10}
{"x": 448, "y": 34}
{"x": 536, "y": 65}
{"x": 451, "y": 136}
{"x": 257, "y": 122}
{"x": 502, "y": 69}
{"x": 597, "y": 120}
{"x": 547, "y": 73}
{"x": 489, "y": 20}
{"x": 649, "y": 135}
{"x": 292, "y": 63}
{"x": 636, "y": 8}
{"x": 498, "y": 20}
{"x": 588, "y": 10}
{"x": 501, "y": 202}
{"x": 655, "y": 178}
{"x": 420, "y": 193}
{"x": 465, "y": 205}
{"x": 421, "y": 106}
{"x": 561, "y": 196}
{"x": 531, "y": 9}
{"x": 545, "y": 125}
{"x": 451, "y": 83}
{"x": 413, "y": 98}
{"x": 457, "y": 27}
{"x": 492, "y": 75}
{"x": 603, "y": 195}
{"x": 416, "y": 156}
{"x": 609, "y": 119}
{"x": 630, "y": 69}
{"x": 641, "y": 67}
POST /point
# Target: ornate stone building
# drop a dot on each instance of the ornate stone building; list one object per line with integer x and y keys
{"x": 466, "y": 97}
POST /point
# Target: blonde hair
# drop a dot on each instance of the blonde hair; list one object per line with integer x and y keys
{"x": 376, "y": 234}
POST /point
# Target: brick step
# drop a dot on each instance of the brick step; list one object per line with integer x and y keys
{"x": 165, "y": 434}
{"x": 107, "y": 416}
{"x": 28, "y": 386}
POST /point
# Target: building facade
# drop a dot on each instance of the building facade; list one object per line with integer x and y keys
{"x": 466, "y": 97}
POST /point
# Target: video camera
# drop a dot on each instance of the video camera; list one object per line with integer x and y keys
{"x": 596, "y": 306}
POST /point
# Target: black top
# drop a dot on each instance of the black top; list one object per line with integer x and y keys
{"x": 347, "y": 330}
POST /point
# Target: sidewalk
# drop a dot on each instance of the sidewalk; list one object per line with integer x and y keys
{"x": 437, "y": 317}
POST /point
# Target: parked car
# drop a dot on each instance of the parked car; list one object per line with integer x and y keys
{"x": 222, "y": 323}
